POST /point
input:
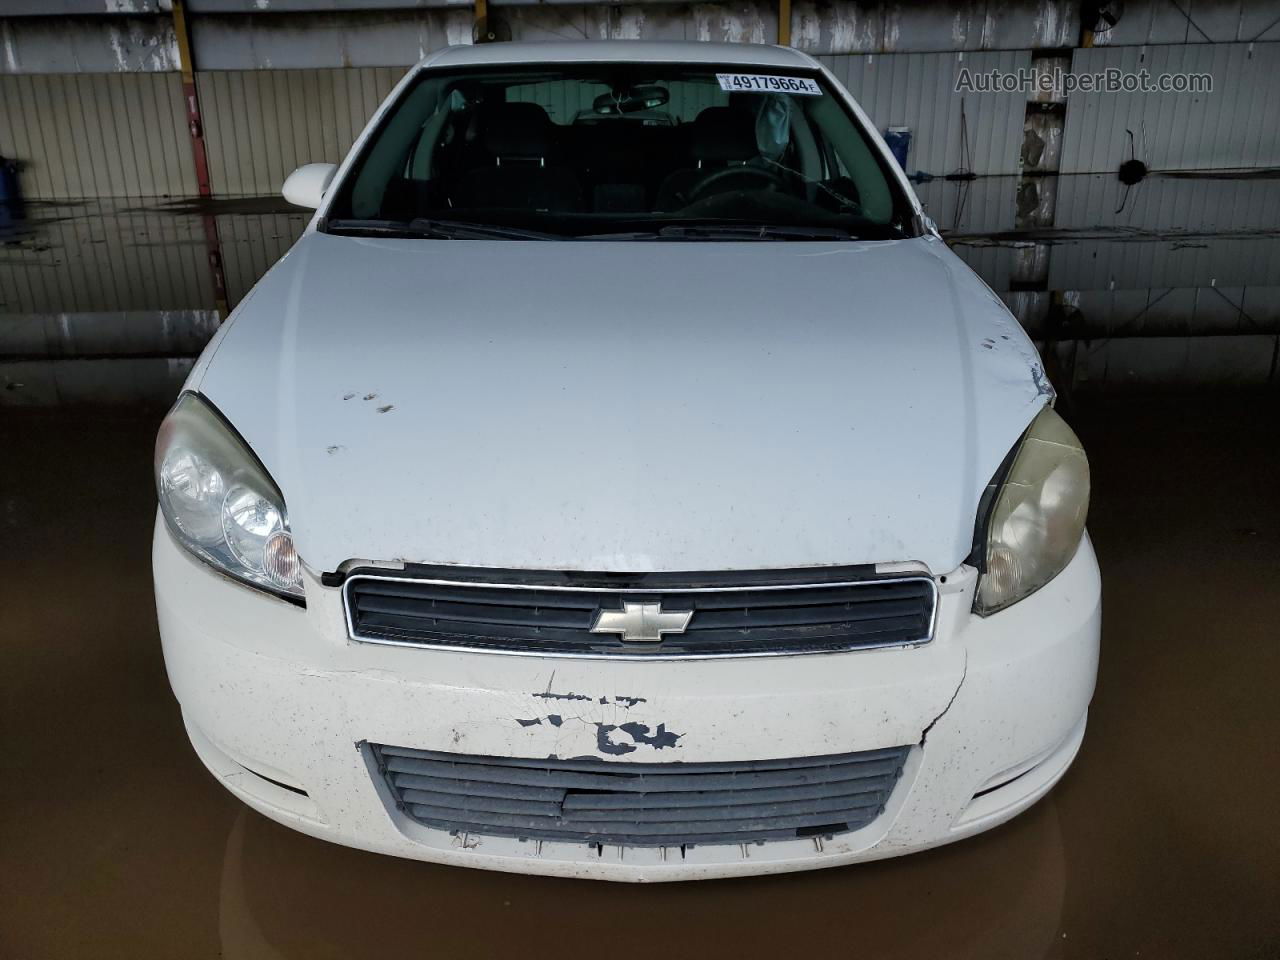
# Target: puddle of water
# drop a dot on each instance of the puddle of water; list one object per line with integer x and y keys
{"x": 1190, "y": 261}
{"x": 1158, "y": 843}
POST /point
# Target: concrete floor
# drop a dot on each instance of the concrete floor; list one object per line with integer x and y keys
{"x": 1160, "y": 842}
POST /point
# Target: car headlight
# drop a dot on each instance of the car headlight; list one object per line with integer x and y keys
{"x": 220, "y": 502}
{"x": 1036, "y": 519}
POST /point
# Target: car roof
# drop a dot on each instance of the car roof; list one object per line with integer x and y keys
{"x": 621, "y": 51}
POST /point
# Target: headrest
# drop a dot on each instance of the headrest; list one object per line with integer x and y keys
{"x": 516, "y": 129}
{"x": 723, "y": 133}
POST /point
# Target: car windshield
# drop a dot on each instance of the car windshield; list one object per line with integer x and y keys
{"x": 620, "y": 151}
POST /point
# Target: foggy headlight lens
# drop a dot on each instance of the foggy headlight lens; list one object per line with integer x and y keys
{"x": 195, "y": 491}
{"x": 1037, "y": 520}
{"x": 219, "y": 501}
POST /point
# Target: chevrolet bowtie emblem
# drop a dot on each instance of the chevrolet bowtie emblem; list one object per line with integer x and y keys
{"x": 641, "y": 621}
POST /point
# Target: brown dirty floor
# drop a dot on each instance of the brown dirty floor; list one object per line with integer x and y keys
{"x": 1161, "y": 841}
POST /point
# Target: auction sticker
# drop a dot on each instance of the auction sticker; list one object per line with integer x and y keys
{"x": 759, "y": 83}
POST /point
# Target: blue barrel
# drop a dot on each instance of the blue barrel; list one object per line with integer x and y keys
{"x": 899, "y": 141}
{"x": 10, "y": 192}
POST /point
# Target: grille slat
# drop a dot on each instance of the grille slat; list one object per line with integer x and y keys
{"x": 743, "y": 811}
{"x": 478, "y": 788}
{"x": 629, "y": 840}
{"x": 481, "y": 806}
{"x": 637, "y": 783}
{"x": 671, "y": 830}
{"x": 808, "y": 615}
{"x": 785, "y": 616}
{"x": 652, "y": 769}
{"x": 869, "y": 591}
{"x": 453, "y": 616}
{"x": 575, "y": 802}
{"x": 594, "y": 801}
{"x": 496, "y": 596}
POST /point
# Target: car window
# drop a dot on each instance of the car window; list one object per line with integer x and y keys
{"x": 586, "y": 150}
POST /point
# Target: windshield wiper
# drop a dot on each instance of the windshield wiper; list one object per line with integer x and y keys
{"x": 368, "y": 228}
{"x": 729, "y": 231}
{"x": 428, "y": 228}
{"x": 463, "y": 230}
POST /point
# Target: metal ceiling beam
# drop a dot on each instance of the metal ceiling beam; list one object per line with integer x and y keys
{"x": 199, "y": 153}
{"x": 45, "y": 8}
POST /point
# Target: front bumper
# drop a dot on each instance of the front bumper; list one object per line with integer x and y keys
{"x": 278, "y": 703}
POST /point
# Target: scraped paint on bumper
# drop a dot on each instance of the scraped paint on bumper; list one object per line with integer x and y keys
{"x": 280, "y": 705}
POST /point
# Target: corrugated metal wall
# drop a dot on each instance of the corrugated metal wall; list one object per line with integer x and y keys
{"x": 1238, "y": 125}
{"x": 261, "y": 125}
{"x": 1192, "y": 21}
{"x": 918, "y": 90}
{"x": 301, "y": 34}
{"x": 97, "y": 135}
{"x": 125, "y": 135}
{"x": 103, "y": 258}
{"x": 86, "y": 132}
{"x": 976, "y": 207}
{"x": 93, "y": 108}
{"x": 251, "y": 244}
{"x": 1179, "y": 218}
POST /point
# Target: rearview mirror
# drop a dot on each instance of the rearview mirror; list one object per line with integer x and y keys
{"x": 305, "y": 187}
{"x": 630, "y": 100}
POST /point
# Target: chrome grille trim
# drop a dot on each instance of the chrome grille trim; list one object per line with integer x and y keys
{"x": 528, "y": 581}
{"x": 364, "y": 575}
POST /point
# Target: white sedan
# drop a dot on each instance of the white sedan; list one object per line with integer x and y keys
{"x": 621, "y": 479}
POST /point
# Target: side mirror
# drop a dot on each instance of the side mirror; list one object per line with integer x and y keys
{"x": 305, "y": 187}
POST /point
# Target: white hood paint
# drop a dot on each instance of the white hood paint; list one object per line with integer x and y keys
{"x": 628, "y": 406}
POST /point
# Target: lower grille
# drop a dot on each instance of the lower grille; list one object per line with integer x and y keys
{"x": 713, "y": 615}
{"x": 641, "y": 804}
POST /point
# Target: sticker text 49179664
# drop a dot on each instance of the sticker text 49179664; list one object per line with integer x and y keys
{"x": 761, "y": 83}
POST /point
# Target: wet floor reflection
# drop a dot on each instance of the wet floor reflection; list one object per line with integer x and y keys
{"x": 1172, "y": 280}
{"x": 285, "y": 895}
{"x": 115, "y": 842}
{"x": 1168, "y": 231}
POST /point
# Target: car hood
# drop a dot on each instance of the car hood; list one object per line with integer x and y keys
{"x": 626, "y": 406}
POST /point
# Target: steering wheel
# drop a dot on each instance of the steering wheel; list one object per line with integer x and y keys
{"x": 713, "y": 182}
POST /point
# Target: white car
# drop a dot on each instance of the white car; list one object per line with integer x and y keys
{"x": 621, "y": 479}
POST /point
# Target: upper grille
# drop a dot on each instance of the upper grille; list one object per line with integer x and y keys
{"x": 641, "y": 804}
{"x": 801, "y": 611}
